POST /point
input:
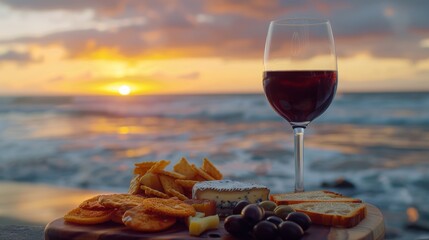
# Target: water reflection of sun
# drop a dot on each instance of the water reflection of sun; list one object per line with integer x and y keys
{"x": 124, "y": 90}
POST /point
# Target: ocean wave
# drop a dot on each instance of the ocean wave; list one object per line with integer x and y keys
{"x": 379, "y": 142}
{"x": 362, "y": 109}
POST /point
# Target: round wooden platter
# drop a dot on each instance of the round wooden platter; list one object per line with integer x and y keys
{"x": 371, "y": 228}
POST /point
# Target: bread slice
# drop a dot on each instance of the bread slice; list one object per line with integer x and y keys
{"x": 312, "y": 196}
{"x": 335, "y": 214}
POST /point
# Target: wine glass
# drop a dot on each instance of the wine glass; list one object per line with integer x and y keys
{"x": 300, "y": 76}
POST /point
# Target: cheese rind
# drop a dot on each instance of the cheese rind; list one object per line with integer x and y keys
{"x": 228, "y": 193}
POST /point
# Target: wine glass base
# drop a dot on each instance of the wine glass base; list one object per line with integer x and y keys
{"x": 299, "y": 124}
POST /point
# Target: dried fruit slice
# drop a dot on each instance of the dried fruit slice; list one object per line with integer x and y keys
{"x": 138, "y": 219}
{"x": 84, "y": 216}
{"x": 208, "y": 207}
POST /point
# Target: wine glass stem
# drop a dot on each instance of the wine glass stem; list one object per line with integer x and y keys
{"x": 299, "y": 158}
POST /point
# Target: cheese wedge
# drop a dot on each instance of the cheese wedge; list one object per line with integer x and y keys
{"x": 200, "y": 225}
{"x": 228, "y": 193}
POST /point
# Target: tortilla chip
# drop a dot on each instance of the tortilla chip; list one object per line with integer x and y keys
{"x": 183, "y": 167}
{"x": 210, "y": 168}
{"x": 169, "y": 183}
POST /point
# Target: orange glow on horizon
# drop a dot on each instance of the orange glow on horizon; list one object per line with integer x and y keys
{"x": 124, "y": 88}
{"x": 56, "y": 75}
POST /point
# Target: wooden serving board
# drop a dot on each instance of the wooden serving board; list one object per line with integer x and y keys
{"x": 371, "y": 228}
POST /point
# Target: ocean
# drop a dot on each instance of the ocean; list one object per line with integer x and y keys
{"x": 379, "y": 142}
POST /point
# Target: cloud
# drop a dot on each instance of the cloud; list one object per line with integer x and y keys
{"x": 16, "y": 57}
{"x": 190, "y": 76}
{"x": 233, "y": 29}
{"x": 248, "y": 8}
{"x": 105, "y": 6}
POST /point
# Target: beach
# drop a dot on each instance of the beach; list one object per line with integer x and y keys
{"x": 38, "y": 204}
{"x": 26, "y": 208}
{"x": 84, "y": 145}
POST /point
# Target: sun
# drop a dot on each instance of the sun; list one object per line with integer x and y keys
{"x": 124, "y": 90}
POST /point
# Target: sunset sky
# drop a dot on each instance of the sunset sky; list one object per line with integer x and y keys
{"x": 66, "y": 47}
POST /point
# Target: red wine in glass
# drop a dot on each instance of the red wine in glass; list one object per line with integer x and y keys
{"x": 300, "y": 96}
{"x": 300, "y": 76}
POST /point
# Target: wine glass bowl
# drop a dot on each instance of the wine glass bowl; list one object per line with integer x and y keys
{"x": 300, "y": 75}
{"x": 294, "y": 43}
{"x": 300, "y": 96}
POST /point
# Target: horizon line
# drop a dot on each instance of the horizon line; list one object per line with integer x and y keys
{"x": 198, "y": 94}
